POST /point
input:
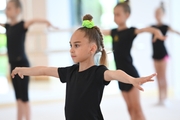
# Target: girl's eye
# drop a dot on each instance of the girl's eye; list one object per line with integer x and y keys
{"x": 71, "y": 46}
{"x": 76, "y": 45}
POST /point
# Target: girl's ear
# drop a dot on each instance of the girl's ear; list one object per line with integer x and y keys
{"x": 127, "y": 15}
{"x": 93, "y": 48}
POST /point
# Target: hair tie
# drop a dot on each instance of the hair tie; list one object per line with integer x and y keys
{"x": 88, "y": 24}
{"x": 122, "y": 1}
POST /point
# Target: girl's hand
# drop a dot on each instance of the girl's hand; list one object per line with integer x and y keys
{"x": 137, "y": 82}
{"x": 51, "y": 27}
{"x": 158, "y": 35}
{"x": 16, "y": 71}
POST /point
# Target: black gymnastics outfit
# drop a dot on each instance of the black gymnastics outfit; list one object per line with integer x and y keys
{"x": 122, "y": 43}
{"x": 84, "y": 91}
{"x": 159, "y": 49}
{"x": 17, "y": 57}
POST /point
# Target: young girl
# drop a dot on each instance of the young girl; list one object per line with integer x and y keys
{"x": 122, "y": 42}
{"x": 160, "y": 54}
{"x": 85, "y": 81}
{"x": 16, "y": 33}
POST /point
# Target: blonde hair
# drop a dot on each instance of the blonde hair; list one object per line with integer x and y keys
{"x": 162, "y": 7}
{"x": 125, "y": 5}
{"x": 17, "y": 3}
{"x": 94, "y": 35}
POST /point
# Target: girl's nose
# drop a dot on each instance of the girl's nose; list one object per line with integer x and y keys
{"x": 71, "y": 50}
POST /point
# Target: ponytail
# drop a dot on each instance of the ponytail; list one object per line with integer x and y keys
{"x": 103, "y": 59}
{"x": 162, "y": 6}
{"x": 94, "y": 34}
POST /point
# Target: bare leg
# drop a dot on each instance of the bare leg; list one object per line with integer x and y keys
{"x": 23, "y": 109}
{"x": 132, "y": 99}
{"x": 160, "y": 67}
{"x": 26, "y": 108}
{"x": 19, "y": 110}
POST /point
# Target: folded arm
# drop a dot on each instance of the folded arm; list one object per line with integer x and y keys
{"x": 157, "y": 33}
{"x": 125, "y": 78}
{"x": 35, "y": 71}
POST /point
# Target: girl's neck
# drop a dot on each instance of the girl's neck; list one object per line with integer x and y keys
{"x": 13, "y": 21}
{"x": 85, "y": 65}
{"x": 159, "y": 23}
{"x": 122, "y": 26}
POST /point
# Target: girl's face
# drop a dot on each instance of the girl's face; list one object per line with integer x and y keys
{"x": 159, "y": 14}
{"x": 120, "y": 16}
{"x": 81, "y": 49}
{"x": 12, "y": 11}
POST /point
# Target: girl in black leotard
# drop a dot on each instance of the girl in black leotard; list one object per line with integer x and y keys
{"x": 16, "y": 33}
{"x": 122, "y": 42}
{"x": 85, "y": 81}
{"x": 160, "y": 54}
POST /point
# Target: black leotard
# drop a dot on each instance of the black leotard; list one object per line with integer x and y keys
{"x": 17, "y": 57}
{"x": 159, "y": 49}
{"x": 84, "y": 91}
{"x": 122, "y": 43}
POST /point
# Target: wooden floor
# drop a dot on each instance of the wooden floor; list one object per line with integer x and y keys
{"x": 47, "y": 103}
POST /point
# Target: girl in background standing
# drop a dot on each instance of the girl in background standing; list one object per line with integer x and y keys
{"x": 122, "y": 42}
{"x": 16, "y": 32}
{"x": 160, "y": 54}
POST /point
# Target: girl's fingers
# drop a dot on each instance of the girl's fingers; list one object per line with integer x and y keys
{"x": 12, "y": 75}
{"x": 148, "y": 78}
{"x": 151, "y": 76}
{"x": 22, "y": 76}
{"x": 140, "y": 88}
{"x": 144, "y": 80}
{"x": 162, "y": 38}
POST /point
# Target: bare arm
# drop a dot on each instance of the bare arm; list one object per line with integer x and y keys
{"x": 2, "y": 25}
{"x": 30, "y": 22}
{"x": 35, "y": 71}
{"x": 174, "y": 31}
{"x": 123, "y": 77}
{"x": 106, "y": 32}
{"x": 157, "y": 33}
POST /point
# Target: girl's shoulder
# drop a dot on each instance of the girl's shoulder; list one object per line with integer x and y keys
{"x": 20, "y": 23}
{"x": 101, "y": 68}
{"x": 126, "y": 29}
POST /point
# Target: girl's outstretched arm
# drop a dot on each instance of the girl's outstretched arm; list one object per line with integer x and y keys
{"x": 35, "y": 71}
{"x": 106, "y": 32}
{"x": 157, "y": 33}
{"x": 123, "y": 77}
{"x": 2, "y": 25}
{"x": 43, "y": 21}
{"x": 174, "y": 31}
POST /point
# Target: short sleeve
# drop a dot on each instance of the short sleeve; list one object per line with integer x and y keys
{"x": 65, "y": 72}
{"x": 22, "y": 26}
{"x": 167, "y": 27}
{"x": 133, "y": 30}
{"x": 101, "y": 71}
{"x": 112, "y": 32}
{"x": 6, "y": 26}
